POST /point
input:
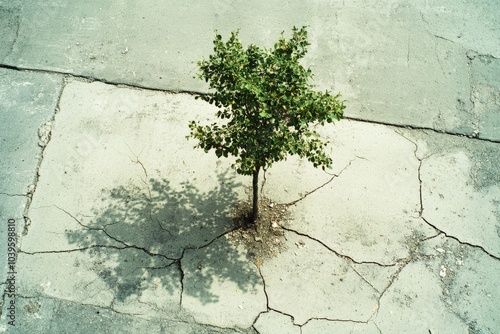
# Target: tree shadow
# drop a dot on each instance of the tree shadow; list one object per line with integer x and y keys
{"x": 138, "y": 238}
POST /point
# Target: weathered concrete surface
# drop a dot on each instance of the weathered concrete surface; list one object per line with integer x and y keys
{"x": 135, "y": 220}
{"x": 438, "y": 292}
{"x": 353, "y": 221}
{"x": 222, "y": 286}
{"x": 461, "y": 187}
{"x": 401, "y": 62}
{"x": 69, "y": 317}
{"x": 275, "y": 322}
{"x": 128, "y": 222}
{"x": 326, "y": 288}
{"x": 27, "y": 102}
{"x": 486, "y": 94}
{"x": 121, "y": 241}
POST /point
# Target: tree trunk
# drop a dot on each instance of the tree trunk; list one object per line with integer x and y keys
{"x": 255, "y": 211}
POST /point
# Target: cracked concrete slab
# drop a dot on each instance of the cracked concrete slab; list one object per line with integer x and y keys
{"x": 471, "y": 24}
{"x": 124, "y": 239}
{"x": 345, "y": 215}
{"x": 341, "y": 327}
{"x": 418, "y": 49}
{"x": 432, "y": 292}
{"x": 392, "y": 68}
{"x": 126, "y": 222}
{"x": 221, "y": 286}
{"x": 485, "y": 72}
{"x": 309, "y": 281}
{"x": 27, "y": 102}
{"x": 35, "y": 311}
{"x": 273, "y": 322}
{"x": 465, "y": 206}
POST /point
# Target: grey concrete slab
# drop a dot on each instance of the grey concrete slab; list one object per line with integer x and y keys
{"x": 130, "y": 239}
{"x": 275, "y": 322}
{"x": 395, "y": 61}
{"x": 11, "y": 225}
{"x": 391, "y": 69}
{"x": 471, "y": 24}
{"x": 485, "y": 72}
{"x": 308, "y": 281}
{"x": 222, "y": 286}
{"x": 129, "y": 220}
{"x": 326, "y": 326}
{"x": 432, "y": 293}
{"x": 461, "y": 187}
{"x": 27, "y": 102}
{"x": 371, "y": 209}
{"x": 40, "y": 315}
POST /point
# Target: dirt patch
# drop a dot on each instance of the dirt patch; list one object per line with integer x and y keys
{"x": 264, "y": 238}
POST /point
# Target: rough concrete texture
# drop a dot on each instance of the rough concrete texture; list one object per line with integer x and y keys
{"x": 401, "y": 62}
{"x": 122, "y": 226}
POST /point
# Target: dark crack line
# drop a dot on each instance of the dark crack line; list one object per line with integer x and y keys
{"x": 460, "y": 241}
{"x": 421, "y": 213}
{"x": 72, "y": 250}
{"x": 14, "y": 195}
{"x": 102, "y": 80}
{"x": 199, "y": 93}
{"x": 345, "y": 257}
{"x": 414, "y": 127}
{"x": 267, "y": 299}
{"x": 392, "y": 280}
{"x": 31, "y": 192}
{"x": 337, "y": 320}
{"x": 115, "y": 239}
{"x": 364, "y": 279}
{"x": 181, "y": 271}
{"x": 334, "y": 176}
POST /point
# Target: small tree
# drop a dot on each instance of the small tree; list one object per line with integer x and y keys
{"x": 268, "y": 105}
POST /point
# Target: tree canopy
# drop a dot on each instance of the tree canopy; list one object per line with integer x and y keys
{"x": 268, "y": 102}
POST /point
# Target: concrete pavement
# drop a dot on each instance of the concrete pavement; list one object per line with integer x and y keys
{"x": 122, "y": 226}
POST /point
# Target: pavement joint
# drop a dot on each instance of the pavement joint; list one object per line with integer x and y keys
{"x": 197, "y": 93}
{"x": 44, "y": 134}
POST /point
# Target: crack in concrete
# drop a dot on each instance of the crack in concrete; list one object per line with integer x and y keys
{"x": 32, "y": 188}
{"x": 181, "y": 271}
{"x": 460, "y": 241}
{"x": 267, "y": 299}
{"x": 14, "y": 195}
{"x": 421, "y": 210}
{"x": 334, "y": 176}
{"x": 416, "y": 127}
{"x": 102, "y": 80}
{"x": 103, "y": 230}
{"x": 343, "y": 256}
{"x": 198, "y": 93}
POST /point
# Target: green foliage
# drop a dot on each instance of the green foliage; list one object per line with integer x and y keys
{"x": 267, "y": 102}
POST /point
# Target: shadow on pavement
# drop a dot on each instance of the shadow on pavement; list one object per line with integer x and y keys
{"x": 137, "y": 240}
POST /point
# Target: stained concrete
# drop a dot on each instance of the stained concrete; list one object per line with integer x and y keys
{"x": 391, "y": 59}
{"x": 122, "y": 225}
